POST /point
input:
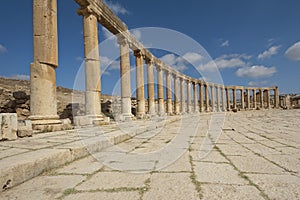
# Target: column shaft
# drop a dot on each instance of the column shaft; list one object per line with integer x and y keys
{"x": 218, "y": 99}
{"x": 201, "y": 97}
{"x": 254, "y": 99}
{"x": 189, "y": 100}
{"x": 242, "y": 99}
{"x": 196, "y": 107}
{"x": 234, "y": 98}
{"x": 248, "y": 99}
{"x": 169, "y": 93}
{"x": 268, "y": 98}
{"x": 206, "y": 97}
{"x": 176, "y": 95}
{"x": 276, "y": 97}
{"x": 261, "y": 94}
{"x": 150, "y": 79}
{"x": 140, "y": 92}
{"x": 227, "y": 98}
{"x": 212, "y": 91}
{"x": 182, "y": 90}
{"x": 223, "y": 99}
{"x": 160, "y": 89}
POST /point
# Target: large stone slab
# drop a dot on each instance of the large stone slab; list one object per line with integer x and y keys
{"x": 8, "y": 126}
{"x": 130, "y": 195}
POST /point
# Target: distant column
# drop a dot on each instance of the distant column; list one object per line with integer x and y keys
{"x": 248, "y": 99}
{"x": 234, "y": 97}
{"x": 125, "y": 79}
{"x": 169, "y": 93}
{"x": 201, "y": 96}
{"x": 140, "y": 92}
{"x": 189, "y": 100}
{"x": 160, "y": 89}
{"x": 150, "y": 79}
{"x": 227, "y": 98}
{"x": 261, "y": 95}
{"x": 43, "y": 105}
{"x": 268, "y": 98}
{"x": 223, "y": 98}
{"x": 196, "y": 107}
{"x": 176, "y": 94}
{"x": 206, "y": 97}
{"x": 218, "y": 98}
{"x": 276, "y": 97}
{"x": 182, "y": 90}
{"x": 242, "y": 99}
{"x": 254, "y": 99}
{"x": 212, "y": 91}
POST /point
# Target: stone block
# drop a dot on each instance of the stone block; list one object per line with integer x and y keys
{"x": 82, "y": 121}
{"x": 25, "y": 129}
{"x": 8, "y": 126}
{"x": 67, "y": 124}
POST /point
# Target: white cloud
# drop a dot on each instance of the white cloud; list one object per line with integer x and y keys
{"x": 116, "y": 7}
{"x": 192, "y": 57}
{"x": 108, "y": 64}
{"x": 175, "y": 62}
{"x": 225, "y": 61}
{"x": 137, "y": 34}
{"x": 3, "y": 49}
{"x": 79, "y": 58}
{"x": 225, "y": 43}
{"x": 293, "y": 52}
{"x": 257, "y": 83}
{"x": 256, "y": 71}
{"x": 273, "y": 50}
{"x": 20, "y": 77}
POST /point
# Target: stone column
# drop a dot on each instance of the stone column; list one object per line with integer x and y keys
{"x": 254, "y": 99}
{"x": 276, "y": 97}
{"x": 176, "y": 94}
{"x": 261, "y": 95}
{"x": 227, "y": 98}
{"x": 43, "y": 105}
{"x": 189, "y": 100}
{"x": 92, "y": 66}
{"x": 182, "y": 95}
{"x": 150, "y": 79}
{"x": 212, "y": 91}
{"x": 234, "y": 97}
{"x": 160, "y": 91}
{"x": 218, "y": 98}
{"x": 248, "y": 100}
{"x": 268, "y": 98}
{"x": 125, "y": 79}
{"x": 169, "y": 93}
{"x": 140, "y": 92}
{"x": 196, "y": 107}
{"x": 223, "y": 98}
{"x": 201, "y": 97}
{"x": 206, "y": 97}
{"x": 242, "y": 99}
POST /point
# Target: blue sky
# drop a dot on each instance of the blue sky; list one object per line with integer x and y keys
{"x": 252, "y": 42}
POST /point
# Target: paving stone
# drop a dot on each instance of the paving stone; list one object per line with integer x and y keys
{"x": 168, "y": 186}
{"x": 217, "y": 173}
{"x": 281, "y": 187}
{"x": 232, "y": 192}
{"x": 180, "y": 165}
{"x": 132, "y": 195}
{"x": 110, "y": 180}
{"x": 11, "y": 152}
{"x": 42, "y": 187}
{"x": 234, "y": 149}
{"x": 212, "y": 156}
{"x": 286, "y": 161}
{"x": 261, "y": 149}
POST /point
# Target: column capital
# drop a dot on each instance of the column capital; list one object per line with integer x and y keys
{"x": 149, "y": 61}
{"x": 121, "y": 40}
{"x": 85, "y": 11}
{"x": 138, "y": 53}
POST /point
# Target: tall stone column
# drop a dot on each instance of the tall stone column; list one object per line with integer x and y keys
{"x": 242, "y": 99}
{"x": 206, "y": 98}
{"x": 182, "y": 90}
{"x": 125, "y": 79}
{"x": 234, "y": 98}
{"x": 218, "y": 98}
{"x": 150, "y": 79}
{"x": 196, "y": 107}
{"x": 201, "y": 97}
{"x": 276, "y": 97}
{"x": 140, "y": 92}
{"x": 254, "y": 99}
{"x": 43, "y": 105}
{"x": 248, "y": 100}
{"x": 92, "y": 66}
{"x": 189, "y": 100}
{"x": 169, "y": 93}
{"x": 268, "y": 98}
{"x": 227, "y": 98}
{"x": 223, "y": 99}
{"x": 261, "y": 95}
{"x": 160, "y": 90}
{"x": 212, "y": 91}
{"x": 176, "y": 95}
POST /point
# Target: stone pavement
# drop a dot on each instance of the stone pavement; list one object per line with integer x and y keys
{"x": 256, "y": 157}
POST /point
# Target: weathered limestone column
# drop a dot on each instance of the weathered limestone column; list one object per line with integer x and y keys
{"x": 268, "y": 98}
{"x": 234, "y": 97}
{"x": 201, "y": 96}
{"x": 182, "y": 95}
{"x": 189, "y": 99}
{"x": 261, "y": 95}
{"x": 254, "y": 99}
{"x": 169, "y": 93}
{"x": 227, "y": 98}
{"x": 140, "y": 92}
{"x": 223, "y": 98}
{"x": 206, "y": 97}
{"x": 248, "y": 100}
{"x": 242, "y": 99}
{"x": 212, "y": 91}
{"x": 196, "y": 107}
{"x": 43, "y": 105}
{"x": 218, "y": 98}
{"x": 160, "y": 91}
{"x": 150, "y": 79}
{"x": 276, "y": 97}
{"x": 176, "y": 95}
{"x": 125, "y": 79}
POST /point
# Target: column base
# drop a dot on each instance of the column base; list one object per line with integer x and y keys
{"x": 88, "y": 120}
{"x": 48, "y": 123}
{"x": 126, "y": 117}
